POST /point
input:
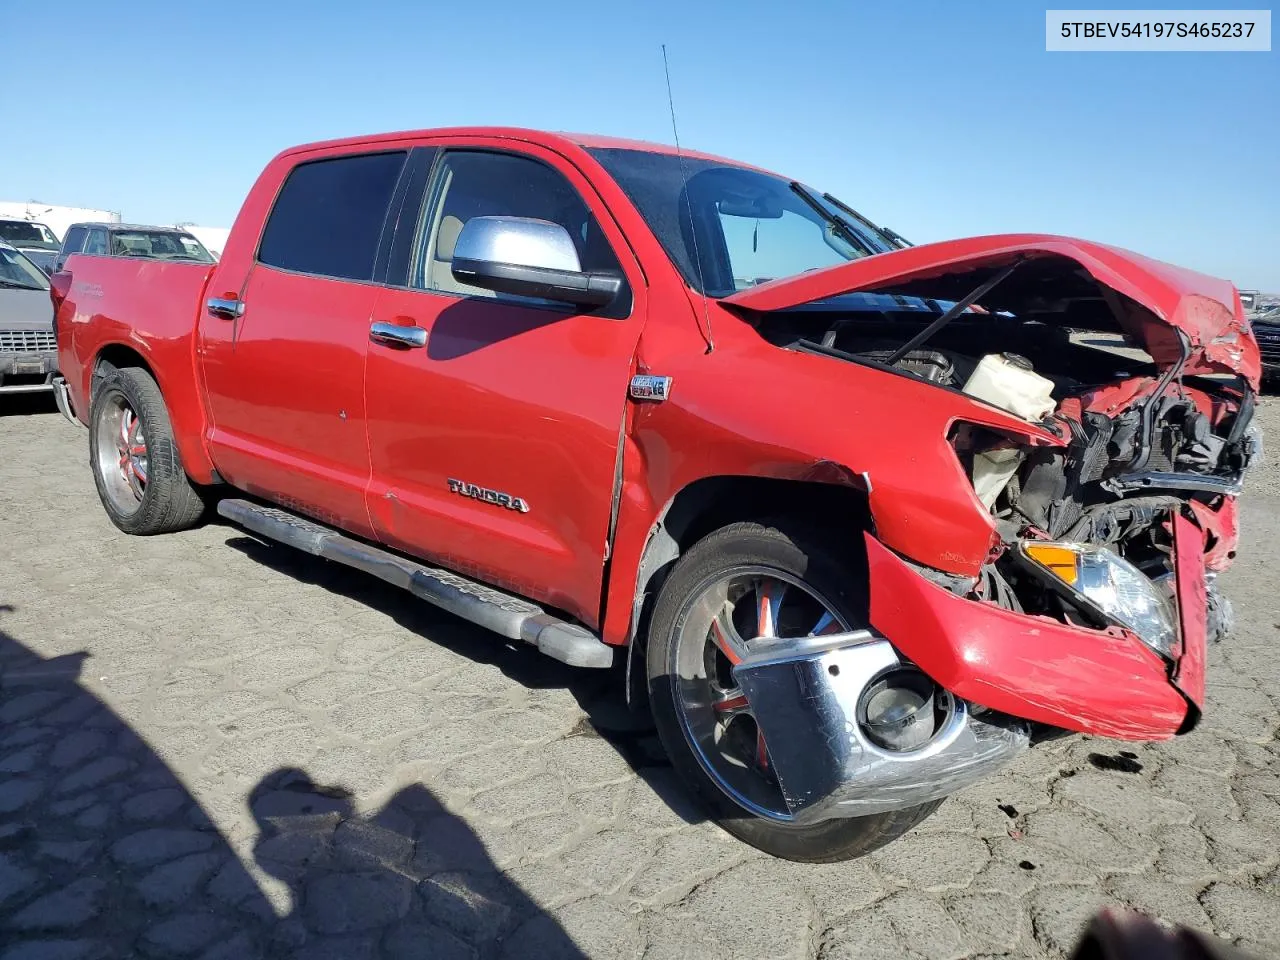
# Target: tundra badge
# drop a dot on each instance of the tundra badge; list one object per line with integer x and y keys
{"x": 495, "y": 497}
{"x": 646, "y": 387}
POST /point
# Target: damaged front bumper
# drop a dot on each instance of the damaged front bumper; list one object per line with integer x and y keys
{"x": 810, "y": 702}
{"x": 987, "y": 675}
{"x": 1101, "y": 681}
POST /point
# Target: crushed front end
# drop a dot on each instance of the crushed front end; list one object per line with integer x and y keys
{"x": 1108, "y": 495}
{"x": 1123, "y": 528}
{"x": 1087, "y": 529}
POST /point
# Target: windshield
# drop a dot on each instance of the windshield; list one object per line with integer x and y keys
{"x": 158, "y": 244}
{"x": 733, "y": 227}
{"x": 21, "y": 233}
{"x": 17, "y": 271}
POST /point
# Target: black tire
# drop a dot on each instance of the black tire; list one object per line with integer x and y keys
{"x": 169, "y": 502}
{"x": 805, "y": 554}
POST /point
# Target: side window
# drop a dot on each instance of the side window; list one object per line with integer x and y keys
{"x": 73, "y": 241}
{"x": 470, "y": 184}
{"x": 96, "y": 243}
{"x": 329, "y": 215}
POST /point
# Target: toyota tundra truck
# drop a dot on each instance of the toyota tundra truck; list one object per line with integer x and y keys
{"x": 858, "y": 521}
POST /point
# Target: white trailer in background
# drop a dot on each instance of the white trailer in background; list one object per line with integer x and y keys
{"x": 57, "y": 218}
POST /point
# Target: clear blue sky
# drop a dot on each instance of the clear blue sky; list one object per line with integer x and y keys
{"x": 937, "y": 119}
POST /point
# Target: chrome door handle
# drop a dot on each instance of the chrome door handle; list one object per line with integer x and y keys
{"x": 224, "y": 308}
{"x": 395, "y": 335}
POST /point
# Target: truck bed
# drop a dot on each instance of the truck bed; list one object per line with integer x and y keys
{"x": 108, "y": 305}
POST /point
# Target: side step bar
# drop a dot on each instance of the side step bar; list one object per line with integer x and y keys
{"x": 503, "y": 613}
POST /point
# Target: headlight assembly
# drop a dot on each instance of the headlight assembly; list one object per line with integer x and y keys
{"x": 1113, "y": 586}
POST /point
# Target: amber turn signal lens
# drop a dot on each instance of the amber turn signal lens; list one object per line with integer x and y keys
{"x": 1060, "y": 561}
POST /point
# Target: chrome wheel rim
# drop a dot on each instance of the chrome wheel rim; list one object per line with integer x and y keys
{"x": 122, "y": 461}
{"x": 719, "y": 626}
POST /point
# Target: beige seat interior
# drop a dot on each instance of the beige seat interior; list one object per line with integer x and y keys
{"x": 440, "y": 270}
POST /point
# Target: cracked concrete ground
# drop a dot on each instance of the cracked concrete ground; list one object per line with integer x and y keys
{"x": 211, "y": 747}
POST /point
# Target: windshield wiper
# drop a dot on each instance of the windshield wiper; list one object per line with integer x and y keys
{"x": 894, "y": 238}
{"x": 841, "y": 226}
{"x": 15, "y": 285}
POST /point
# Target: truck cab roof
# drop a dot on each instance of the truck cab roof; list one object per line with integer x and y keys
{"x": 556, "y": 140}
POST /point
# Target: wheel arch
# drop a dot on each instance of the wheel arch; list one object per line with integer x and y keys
{"x": 712, "y": 502}
{"x": 188, "y": 424}
{"x": 118, "y": 356}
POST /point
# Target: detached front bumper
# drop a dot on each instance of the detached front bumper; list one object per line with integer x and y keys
{"x": 809, "y": 700}
{"x": 1105, "y": 682}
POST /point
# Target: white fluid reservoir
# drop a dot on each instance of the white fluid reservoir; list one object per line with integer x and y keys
{"x": 992, "y": 471}
{"x": 1007, "y": 380}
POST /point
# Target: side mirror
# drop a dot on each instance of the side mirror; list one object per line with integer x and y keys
{"x": 530, "y": 258}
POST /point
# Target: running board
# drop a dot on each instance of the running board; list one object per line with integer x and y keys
{"x": 503, "y": 613}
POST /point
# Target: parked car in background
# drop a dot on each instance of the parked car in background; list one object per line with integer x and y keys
{"x": 860, "y": 544}
{"x": 1266, "y": 329}
{"x": 131, "y": 240}
{"x": 28, "y": 349}
{"x": 36, "y": 241}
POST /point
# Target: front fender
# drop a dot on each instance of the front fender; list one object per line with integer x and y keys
{"x": 751, "y": 409}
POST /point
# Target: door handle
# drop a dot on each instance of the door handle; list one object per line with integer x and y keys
{"x": 395, "y": 335}
{"x": 226, "y": 309}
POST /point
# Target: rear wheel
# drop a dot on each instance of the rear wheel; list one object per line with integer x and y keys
{"x": 741, "y": 583}
{"x": 134, "y": 459}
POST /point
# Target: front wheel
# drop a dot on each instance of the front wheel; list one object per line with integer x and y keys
{"x": 744, "y": 582}
{"x": 134, "y": 458}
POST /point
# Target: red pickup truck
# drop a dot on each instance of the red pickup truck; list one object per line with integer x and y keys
{"x": 869, "y": 518}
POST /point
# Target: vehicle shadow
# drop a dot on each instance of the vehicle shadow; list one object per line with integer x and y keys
{"x": 26, "y": 404}
{"x": 474, "y": 323}
{"x": 599, "y": 693}
{"x": 105, "y": 853}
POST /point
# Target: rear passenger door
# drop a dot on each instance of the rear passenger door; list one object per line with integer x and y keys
{"x": 285, "y": 335}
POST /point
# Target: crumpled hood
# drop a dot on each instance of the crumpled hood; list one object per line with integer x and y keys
{"x": 1059, "y": 279}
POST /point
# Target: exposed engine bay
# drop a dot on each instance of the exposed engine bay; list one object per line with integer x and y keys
{"x": 1142, "y": 444}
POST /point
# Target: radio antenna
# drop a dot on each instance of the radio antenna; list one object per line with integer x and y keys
{"x": 705, "y": 329}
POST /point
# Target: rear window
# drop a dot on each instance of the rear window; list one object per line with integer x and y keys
{"x": 328, "y": 217}
{"x": 74, "y": 240}
{"x": 158, "y": 245}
